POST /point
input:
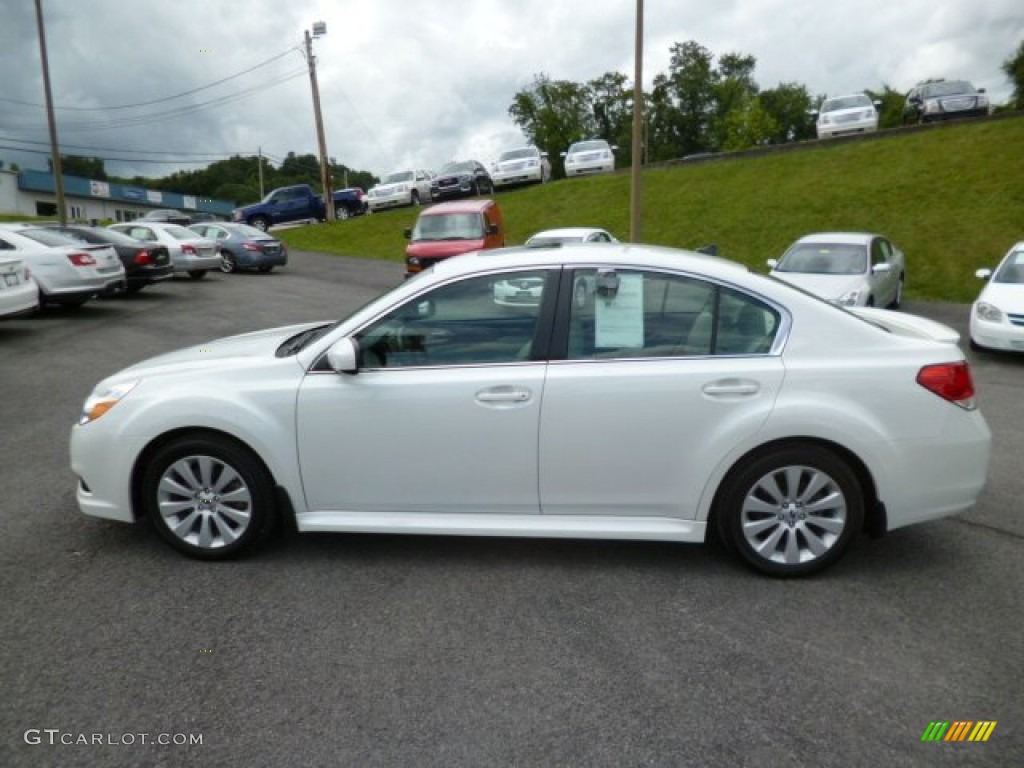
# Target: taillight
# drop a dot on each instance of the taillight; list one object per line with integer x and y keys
{"x": 950, "y": 381}
{"x": 81, "y": 259}
{"x": 188, "y": 249}
{"x": 251, "y": 247}
{"x": 142, "y": 257}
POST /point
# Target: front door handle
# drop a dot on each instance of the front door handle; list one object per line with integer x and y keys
{"x": 503, "y": 395}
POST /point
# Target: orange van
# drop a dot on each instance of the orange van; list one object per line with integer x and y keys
{"x": 448, "y": 229}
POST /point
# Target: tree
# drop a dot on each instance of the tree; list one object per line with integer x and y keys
{"x": 734, "y": 89}
{"x": 690, "y": 86}
{"x": 552, "y": 114}
{"x": 747, "y": 126}
{"x": 789, "y": 105}
{"x": 612, "y": 103}
{"x": 77, "y": 165}
{"x": 890, "y": 114}
{"x": 1014, "y": 69}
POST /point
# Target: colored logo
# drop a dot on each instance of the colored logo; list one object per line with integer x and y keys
{"x": 958, "y": 730}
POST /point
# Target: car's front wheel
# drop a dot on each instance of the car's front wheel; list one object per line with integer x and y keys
{"x": 791, "y": 511}
{"x": 898, "y": 298}
{"x": 208, "y": 496}
{"x": 341, "y": 213}
{"x": 197, "y": 274}
{"x": 227, "y": 262}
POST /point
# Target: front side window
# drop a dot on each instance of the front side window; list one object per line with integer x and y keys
{"x": 481, "y": 320}
{"x": 630, "y": 314}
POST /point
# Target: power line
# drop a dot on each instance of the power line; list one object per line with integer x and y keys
{"x": 114, "y": 159}
{"x": 222, "y": 153}
{"x": 165, "y": 98}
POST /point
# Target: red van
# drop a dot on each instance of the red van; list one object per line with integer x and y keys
{"x": 448, "y": 229}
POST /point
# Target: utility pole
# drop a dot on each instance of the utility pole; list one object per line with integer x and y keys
{"x": 638, "y": 127}
{"x": 319, "y": 28}
{"x": 58, "y": 172}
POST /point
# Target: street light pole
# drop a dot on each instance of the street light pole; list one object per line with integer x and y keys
{"x": 319, "y": 28}
{"x": 58, "y": 173}
{"x": 638, "y": 127}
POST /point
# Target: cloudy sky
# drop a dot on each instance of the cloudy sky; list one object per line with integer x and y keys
{"x": 407, "y": 84}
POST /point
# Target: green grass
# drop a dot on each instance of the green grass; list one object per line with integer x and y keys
{"x": 951, "y": 198}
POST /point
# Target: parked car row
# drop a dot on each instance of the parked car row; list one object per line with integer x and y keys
{"x": 49, "y": 263}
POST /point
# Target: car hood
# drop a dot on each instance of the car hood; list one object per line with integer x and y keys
{"x": 259, "y": 344}
{"x": 390, "y": 189}
{"x": 442, "y": 248}
{"x": 1009, "y": 297}
{"x": 829, "y": 287}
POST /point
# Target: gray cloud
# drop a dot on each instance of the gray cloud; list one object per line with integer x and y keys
{"x": 416, "y": 84}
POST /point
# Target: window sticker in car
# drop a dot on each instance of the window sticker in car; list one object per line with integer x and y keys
{"x": 619, "y": 318}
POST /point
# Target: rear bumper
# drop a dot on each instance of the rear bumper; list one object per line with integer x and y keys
{"x": 186, "y": 262}
{"x": 258, "y": 259}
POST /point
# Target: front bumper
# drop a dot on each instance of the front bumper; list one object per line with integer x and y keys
{"x": 1000, "y": 336}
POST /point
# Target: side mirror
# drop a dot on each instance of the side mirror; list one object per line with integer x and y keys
{"x": 563, "y": 154}
{"x": 878, "y": 104}
{"x": 881, "y": 268}
{"x": 544, "y": 155}
{"x": 408, "y": 233}
{"x": 615, "y": 147}
{"x": 773, "y": 263}
{"x": 708, "y": 250}
{"x": 812, "y": 113}
{"x": 343, "y": 356}
{"x": 425, "y": 309}
{"x": 983, "y": 274}
{"x": 492, "y": 229}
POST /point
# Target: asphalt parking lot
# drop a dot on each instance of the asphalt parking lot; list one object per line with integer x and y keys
{"x": 331, "y": 650}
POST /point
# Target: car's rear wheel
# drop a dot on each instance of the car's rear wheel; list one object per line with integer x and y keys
{"x": 791, "y": 511}
{"x": 208, "y": 496}
{"x": 898, "y": 298}
{"x": 414, "y": 198}
{"x": 134, "y": 287}
{"x": 227, "y": 262}
{"x": 341, "y": 213}
{"x": 266, "y": 267}
{"x": 197, "y": 274}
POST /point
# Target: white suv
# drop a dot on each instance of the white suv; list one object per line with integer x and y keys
{"x": 843, "y": 115}
{"x": 400, "y": 188}
{"x": 522, "y": 165}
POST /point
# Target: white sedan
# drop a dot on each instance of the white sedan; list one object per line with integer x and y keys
{"x": 191, "y": 253}
{"x": 690, "y": 397}
{"x": 997, "y": 316}
{"x": 585, "y": 157}
{"x": 66, "y": 272}
{"x": 853, "y": 269}
{"x": 19, "y": 294}
{"x": 521, "y": 165}
{"x": 845, "y": 115}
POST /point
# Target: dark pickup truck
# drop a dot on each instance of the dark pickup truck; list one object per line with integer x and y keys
{"x": 299, "y": 203}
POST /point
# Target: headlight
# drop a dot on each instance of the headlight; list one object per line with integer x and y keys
{"x": 102, "y": 400}
{"x": 850, "y": 298}
{"x": 985, "y": 311}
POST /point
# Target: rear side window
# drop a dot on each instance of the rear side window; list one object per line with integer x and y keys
{"x": 637, "y": 314}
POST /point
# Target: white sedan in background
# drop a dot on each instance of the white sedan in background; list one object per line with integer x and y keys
{"x": 564, "y": 235}
{"x": 844, "y": 115}
{"x": 65, "y": 271}
{"x": 521, "y": 165}
{"x": 997, "y": 316}
{"x": 19, "y": 293}
{"x": 400, "y": 188}
{"x": 191, "y": 253}
{"x": 853, "y": 269}
{"x": 691, "y": 398}
{"x": 586, "y": 157}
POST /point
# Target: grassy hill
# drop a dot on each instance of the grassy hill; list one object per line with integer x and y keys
{"x": 951, "y": 197}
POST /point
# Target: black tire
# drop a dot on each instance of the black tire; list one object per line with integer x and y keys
{"x": 870, "y": 302}
{"x": 260, "y": 222}
{"x": 197, "y": 274}
{"x": 414, "y": 197}
{"x": 228, "y": 263}
{"x": 71, "y": 303}
{"x": 898, "y": 300}
{"x": 133, "y": 288}
{"x": 341, "y": 213}
{"x": 776, "y": 534}
{"x": 194, "y": 476}
{"x": 266, "y": 267}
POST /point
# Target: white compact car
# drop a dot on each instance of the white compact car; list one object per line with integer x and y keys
{"x": 855, "y": 269}
{"x": 997, "y": 316}
{"x": 522, "y": 165}
{"x": 400, "y": 188}
{"x": 65, "y": 271}
{"x": 19, "y": 294}
{"x": 586, "y": 157}
{"x": 844, "y": 115}
{"x": 564, "y": 235}
{"x": 191, "y": 253}
{"x": 689, "y": 397}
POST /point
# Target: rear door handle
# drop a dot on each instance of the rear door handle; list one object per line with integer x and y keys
{"x": 732, "y": 388}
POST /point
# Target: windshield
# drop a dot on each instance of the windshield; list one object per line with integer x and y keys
{"x": 1012, "y": 269}
{"x": 463, "y": 167}
{"x": 825, "y": 259}
{"x": 946, "y": 89}
{"x": 449, "y": 226}
{"x": 846, "y": 102}
{"x": 535, "y": 242}
{"x": 587, "y": 146}
{"x": 394, "y": 178}
{"x": 246, "y": 231}
{"x": 517, "y": 154}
